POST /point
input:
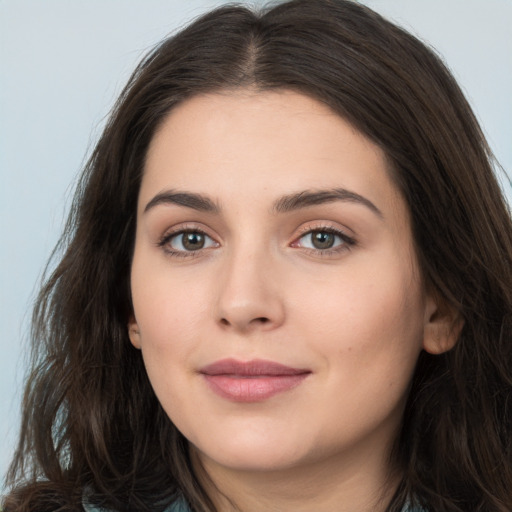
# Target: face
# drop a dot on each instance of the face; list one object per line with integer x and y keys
{"x": 277, "y": 298}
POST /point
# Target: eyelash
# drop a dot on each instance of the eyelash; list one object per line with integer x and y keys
{"x": 347, "y": 241}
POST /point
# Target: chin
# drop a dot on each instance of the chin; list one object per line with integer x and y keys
{"x": 253, "y": 460}
{"x": 251, "y": 454}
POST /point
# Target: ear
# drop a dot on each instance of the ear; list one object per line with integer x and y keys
{"x": 133, "y": 332}
{"x": 443, "y": 324}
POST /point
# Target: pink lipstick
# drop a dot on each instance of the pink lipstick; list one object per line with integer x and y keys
{"x": 251, "y": 381}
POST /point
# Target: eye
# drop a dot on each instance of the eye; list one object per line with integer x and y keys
{"x": 188, "y": 241}
{"x": 319, "y": 240}
{"x": 325, "y": 240}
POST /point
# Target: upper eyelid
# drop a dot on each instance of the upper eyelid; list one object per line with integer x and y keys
{"x": 188, "y": 227}
{"x": 323, "y": 227}
{"x": 334, "y": 227}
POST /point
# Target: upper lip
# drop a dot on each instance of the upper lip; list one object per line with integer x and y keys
{"x": 253, "y": 368}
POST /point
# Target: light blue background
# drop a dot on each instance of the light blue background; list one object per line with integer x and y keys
{"x": 62, "y": 63}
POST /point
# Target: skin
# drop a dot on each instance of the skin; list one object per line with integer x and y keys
{"x": 356, "y": 315}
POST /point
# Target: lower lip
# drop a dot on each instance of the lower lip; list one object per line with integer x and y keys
{"x": 252, "y": 389}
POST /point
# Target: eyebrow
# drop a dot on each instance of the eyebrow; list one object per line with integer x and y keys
{"x": 288, "y": 203}
{"x": 315, "y": 197}
{"x": 187, "y": 199}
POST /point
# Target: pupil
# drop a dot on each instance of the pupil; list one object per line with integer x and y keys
{"x": 193, "y": 241}
{"x": 322, "y": 240}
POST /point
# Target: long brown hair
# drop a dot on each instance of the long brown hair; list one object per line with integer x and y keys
{"x": 91, "y": 423}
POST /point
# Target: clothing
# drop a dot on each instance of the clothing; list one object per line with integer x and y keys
{"x": 177, "y": 506}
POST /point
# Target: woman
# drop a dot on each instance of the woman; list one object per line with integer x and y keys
{"x": 286, "y": 285}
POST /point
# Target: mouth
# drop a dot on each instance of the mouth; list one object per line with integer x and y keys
{"x": 251, "y": 381}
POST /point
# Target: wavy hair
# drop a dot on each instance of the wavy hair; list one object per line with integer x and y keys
{"x": 91, "y": 423}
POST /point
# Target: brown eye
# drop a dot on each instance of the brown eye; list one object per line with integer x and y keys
{"x": 322, "y": 239}
{"x": 193, "y": 241}
{"x": 189, "y": 241}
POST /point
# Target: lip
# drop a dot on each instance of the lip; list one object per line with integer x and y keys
{"x": 251, "y": 381}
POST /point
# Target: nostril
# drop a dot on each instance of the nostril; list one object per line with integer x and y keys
{"x": 257, "y": 320}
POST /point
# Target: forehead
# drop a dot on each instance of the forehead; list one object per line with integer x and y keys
{"x": 246, "y": 144}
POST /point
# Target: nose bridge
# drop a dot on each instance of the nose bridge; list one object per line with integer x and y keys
{"x": 249, "y": 295}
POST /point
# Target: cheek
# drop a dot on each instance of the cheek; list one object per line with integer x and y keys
{"x": 368, "y": 312}
{"x": 166, "y": 325}
{"x": 166, "y": 304}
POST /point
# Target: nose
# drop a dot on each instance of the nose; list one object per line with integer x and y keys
{"x": 250, "y": 294}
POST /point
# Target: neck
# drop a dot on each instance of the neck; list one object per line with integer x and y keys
{"x": 333, "y": 484}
